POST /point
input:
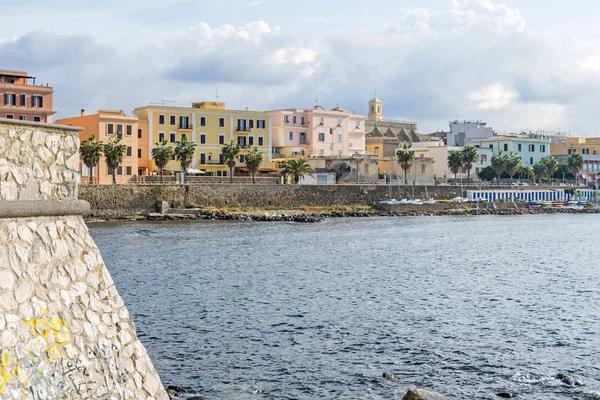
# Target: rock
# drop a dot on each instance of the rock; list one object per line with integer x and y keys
{"x": 420, "y": 394}
{"x": 389, "y": 376}
{"x": 506, "y": 395}
{"x": 175, "y": 392}
{"x": 569, "y": 380}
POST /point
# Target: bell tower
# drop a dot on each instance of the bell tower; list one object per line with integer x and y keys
{"x": 375, "y": 111}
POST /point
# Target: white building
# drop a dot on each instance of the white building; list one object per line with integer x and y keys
{"x": 463, "y": 132}
{"x": 530, "y": 150}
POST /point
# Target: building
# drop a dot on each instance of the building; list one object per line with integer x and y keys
{"x": 589, "y": 148}
{"x": 463, "y": 132}
{"x": 530, "y": 150}
{"x": 24, "y": 100}
{"x": 107, "y": 125}
{"x": 210, "y": 125}
{"x": 317, "y": 132}
{"x": 384, "y": 137}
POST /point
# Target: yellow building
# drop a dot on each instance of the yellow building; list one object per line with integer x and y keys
{"x": 210, "y": 125}
{"x": 580, "y": 145}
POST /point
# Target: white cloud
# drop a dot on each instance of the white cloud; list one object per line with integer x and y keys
{"x": 493, "y": 97}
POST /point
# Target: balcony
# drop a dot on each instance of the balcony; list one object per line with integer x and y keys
{"x": 185, "y": 126}
{"x": 211, "y": 162}
{"x": 303, "y": 142}
{"x": 243, "y": 129}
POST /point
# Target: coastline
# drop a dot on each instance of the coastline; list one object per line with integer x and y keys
{"x": 319, "y": 214}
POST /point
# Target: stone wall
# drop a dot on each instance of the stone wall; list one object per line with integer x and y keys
{"x": 64, "y": 330}
{"x": 118, "y": 201}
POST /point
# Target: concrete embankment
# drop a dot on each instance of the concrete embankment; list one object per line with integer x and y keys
{"x": 123, "y": 201}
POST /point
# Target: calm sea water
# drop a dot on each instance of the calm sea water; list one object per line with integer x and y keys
{"x": 467, "y": 306}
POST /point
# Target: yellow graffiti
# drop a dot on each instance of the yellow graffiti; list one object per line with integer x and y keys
{"x": 6, "y": 375}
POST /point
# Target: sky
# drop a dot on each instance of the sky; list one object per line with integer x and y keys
{"x": 516, "y": 64}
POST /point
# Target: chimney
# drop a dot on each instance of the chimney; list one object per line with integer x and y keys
{"x": 82, "y": 112}
{"x": 246, "y": 109}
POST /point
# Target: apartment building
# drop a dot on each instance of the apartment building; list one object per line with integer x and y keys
{"x": 107, "y": 125}
{"x": 22, "y": 99}
{"x": 210, "y": 125}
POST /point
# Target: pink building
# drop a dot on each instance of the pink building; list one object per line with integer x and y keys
{"x": 317, "y": 132}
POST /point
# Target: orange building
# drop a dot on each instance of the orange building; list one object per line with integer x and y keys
{"x": 107, "y": 125}
{"x": 24, "y": 100}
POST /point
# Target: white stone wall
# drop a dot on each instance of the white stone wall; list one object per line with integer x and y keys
{"x": 65, "y": 332}
{"x": 38, "y": 163}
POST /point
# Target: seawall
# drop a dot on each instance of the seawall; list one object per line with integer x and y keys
{"x": 119, "y": 201}
{"x": 65, "y": 333}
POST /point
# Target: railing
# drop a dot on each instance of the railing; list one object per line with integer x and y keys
{"x": 303, "y": 142}
{"x": 185, "y": 126}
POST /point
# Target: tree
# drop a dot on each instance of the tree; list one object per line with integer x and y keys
{"x": 487, "y": 174}
{"x": 184, "y": 153}
{"x": 550, "y": 166}
{"x": 406, "y": 157}
{"x": 296, "y": 170}
{"x": 498, "y": 164}
{"x": 231, "y": 152}
{"x": 91, "y": 152}
{"x": 455, "y": 162}
{"x": 539, "y": 170}
{"x": 575, "y": 164}
{"x": 512, "y": 163}
{"x": 114, "y": 152}
{"x": 161, "y": 155}
{"x": 469, "y": 156}
{"x": 253, "y": 160}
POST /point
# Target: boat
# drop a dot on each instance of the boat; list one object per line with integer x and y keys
{"x": 390, "y": 201}
{"x": 535, "y": 204}
{"x": 458, "y": 200}
{"x": 546, "y": 204}
{"x": 429, "y": 201}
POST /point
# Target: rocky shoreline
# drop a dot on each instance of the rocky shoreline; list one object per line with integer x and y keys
{"x": 319, "y": 215}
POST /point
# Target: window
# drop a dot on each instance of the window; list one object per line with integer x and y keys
{"x": 202, "y": 158}
{"x": 139, "y": 153}
{"x": 294, "y": 119}
{"x": 339, "y": 138}
{"x": 10, "y": 99}
{"x": 260, "y": 123}
{"x": 172, "y": 120}
{"x": 209, "y": 157}
{"x": 119, "y": 130}
{"x": 202, "y": 121}
{"x": 303, "y": 138}
{"x": 373, "y": 109}
{"x": 10, "y": 116}
{"x": 531, "y": 160}
{"x": 301, "y": 120}
{"x": 484, "y": 157}
{"x": 221, "y": 139}
{"x": 532, "y": 148}
{"x": 221, "y": 122}
{"x": 110, "y": 129}
{"x": 161, "y": 137}
{"x": 221, "y": 159}
{"x": 173, "y": 156}
{"x": 543, "y": 149}
{"x": 23, "y": 118}
{"x": 322, "y": 121}
{"x": 287, "y": 119}
{"x": 37, "y": 118}
{"x": 184, "y": 123}
{"x": 261, "y": 141}
{"x": 242, "y": 159}
{"x": 376, "y": 151}
{"x": 321, "y": 137}
{"x": 128, "y": 171}
{"x": 37, "y": 101}
{"x": 242, "y": 125}
{"x": 378, "y": 109}
{"x": 569, "y": 151}
{"x": 161, "y": 119}
{"x": 139, "y": 133}
{"x": 291, "y": 137}
{"x": 172, "y": 138}
{"x": 251, "y": 123}
{"x": 492, "y": 147}
{"x": 242, "y": 141}
{"x": 505, "y": 146}
{"x": 202, "y": 138}
{"x": 120, "y": 170}
{"x": 224, "y": 173}
{"x": 357, "y": 124}
{"x": 129, "y": 151}
{"x": 250, "y": 140}
{"x": 339, "y": 122}
{"x": 23, "y": 100}
{"x": 519, "y": 147}
{"x": 128, "y": 130}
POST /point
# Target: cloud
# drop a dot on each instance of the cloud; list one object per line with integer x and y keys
{"x": 254, "y": 3}
{"x": 472, "y": 59}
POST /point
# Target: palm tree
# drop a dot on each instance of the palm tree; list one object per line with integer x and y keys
{"x": 161, "y": 155}
{"x": 296, "y": 170}
{"x": 231, "y": 152}
{"x": 498, "y": 164}
{"x": 469, "y": 156}
{"x": 455, "y": 163}
{"x": 91, "y": 152}
{"x": 406, "y": 156}
{"x": 575, "y": 164}
{"x": 253, "y": 160}
{"x": 539, "y": 170}
{"x": 512, "y": 163}
{"x": 550, "y": 165}
{"x": 114, "y": 152}
{"x": 184, "y": 153}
